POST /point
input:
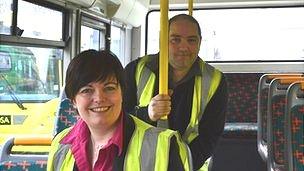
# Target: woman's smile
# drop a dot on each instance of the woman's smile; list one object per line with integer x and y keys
{"x": 100, "y": 109}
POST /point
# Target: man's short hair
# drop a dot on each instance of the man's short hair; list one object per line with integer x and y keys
{"x": 188, "y": 18}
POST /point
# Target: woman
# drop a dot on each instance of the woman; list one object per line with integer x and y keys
{"x": 104, "y": 138}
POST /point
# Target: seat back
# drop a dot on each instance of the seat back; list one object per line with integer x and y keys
{"x": 66, "y": 115}
{"x": 23, "y": 161}
{"x": 276, "y": 124}
{"x": 240, "y": 133}
{"x": 241, "y": 117}
{"x": 295, "y": 127}
{"x": 263, "y": 90}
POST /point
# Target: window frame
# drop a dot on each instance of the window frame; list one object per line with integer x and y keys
{"x": 87, "y": 18}
{"x": 13, "y": 39}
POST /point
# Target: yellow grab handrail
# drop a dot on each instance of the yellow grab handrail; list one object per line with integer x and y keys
{"x": 163, "y": 49}
{"x": 302, "y": 85}
{"x": 33, "y": 141}
{"x": 190, "y": 7}
{"x": 289, "y": 80}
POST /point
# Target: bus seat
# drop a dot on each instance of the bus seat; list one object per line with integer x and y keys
{"x": 23, "y": 161}
{"x": 66, "y": 115}
{"x": 295, "y": 127}
{"x": 241, "y": 117}
{"x": 276, "y": 123}
{"x": 240, "y": 132}
{"x": 263, "y": 89}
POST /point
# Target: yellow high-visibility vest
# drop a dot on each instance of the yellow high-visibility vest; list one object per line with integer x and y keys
{"x": 204, "y": 88}
{"x": 148, "y": 148}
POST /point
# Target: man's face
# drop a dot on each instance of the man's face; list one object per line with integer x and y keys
{"x": 184, "y": 44}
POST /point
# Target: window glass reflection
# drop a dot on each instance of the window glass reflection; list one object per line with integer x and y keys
{"x": 89, "y": 38}
{"x": 5, "y": 16}
{"x": 32, "y": 21}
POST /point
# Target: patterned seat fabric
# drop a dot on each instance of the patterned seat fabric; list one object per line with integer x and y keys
{"x": 297, "y": 137}
{"x": 279, "y": 102}
{"x": 278, "y": 123}
{"x": 241, "y": 112}
{"x": 20, "y": 162}
{"x": 23, "y": 165}
{"x": 67, "y": 115}
{"x": 269, "y": 86}
{"x": 264, "y": 99}
{"x": 242, "y": 88}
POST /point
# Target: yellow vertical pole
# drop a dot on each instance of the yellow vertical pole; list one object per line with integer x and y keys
{"x": 163, "y": 49}
{"x": 190, "y": 6}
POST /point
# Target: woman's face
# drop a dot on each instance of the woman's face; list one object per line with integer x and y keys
{"x": 99, "y": 104}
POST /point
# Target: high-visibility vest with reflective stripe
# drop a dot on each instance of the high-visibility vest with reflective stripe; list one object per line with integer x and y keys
{"x": 148, "y": 150}
{"x": 204, "y": 88}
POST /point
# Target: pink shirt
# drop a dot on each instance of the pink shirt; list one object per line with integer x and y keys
{"x": 79, "y": 138}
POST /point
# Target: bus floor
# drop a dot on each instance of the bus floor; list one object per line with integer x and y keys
{"x": 237, "y": 154}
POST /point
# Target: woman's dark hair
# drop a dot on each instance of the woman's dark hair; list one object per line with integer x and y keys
{"x": 188, "y": 18}
{"x": 92, "y": 66}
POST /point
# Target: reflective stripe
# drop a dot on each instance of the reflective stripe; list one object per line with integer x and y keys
{"x": 205, "y": 83}
{"x": 149, "y": 147}
{"x": 60, "y": 155}
{"x": 200, "y": 100}
{"x": 144, "y": 77}
{"x": 161, "y": 164}
{"x": 132, "y": 159}
{"x": 196, "y": 103}
{"x": 145, "y": 83}
{"x": 162, "y": 123}
{"x": 185, "y": 153}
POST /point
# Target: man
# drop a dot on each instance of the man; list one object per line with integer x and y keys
{"x": 198, "y": 94}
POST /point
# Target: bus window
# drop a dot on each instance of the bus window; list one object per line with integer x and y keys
{"x": 93, "y": 33}
{"x": 32, "y": 43}
{"x": 117, "y": 42}
{"x": 5, "y": 62}
{"x": 6, "y": 16}
{"x": 249, "y": 34}
{"x": 41, "y": 27}
{"x": 89, "y": 38}
{"x": 29, "y": 90}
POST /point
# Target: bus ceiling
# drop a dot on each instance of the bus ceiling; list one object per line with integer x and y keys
{"x": 115, "y": 9}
